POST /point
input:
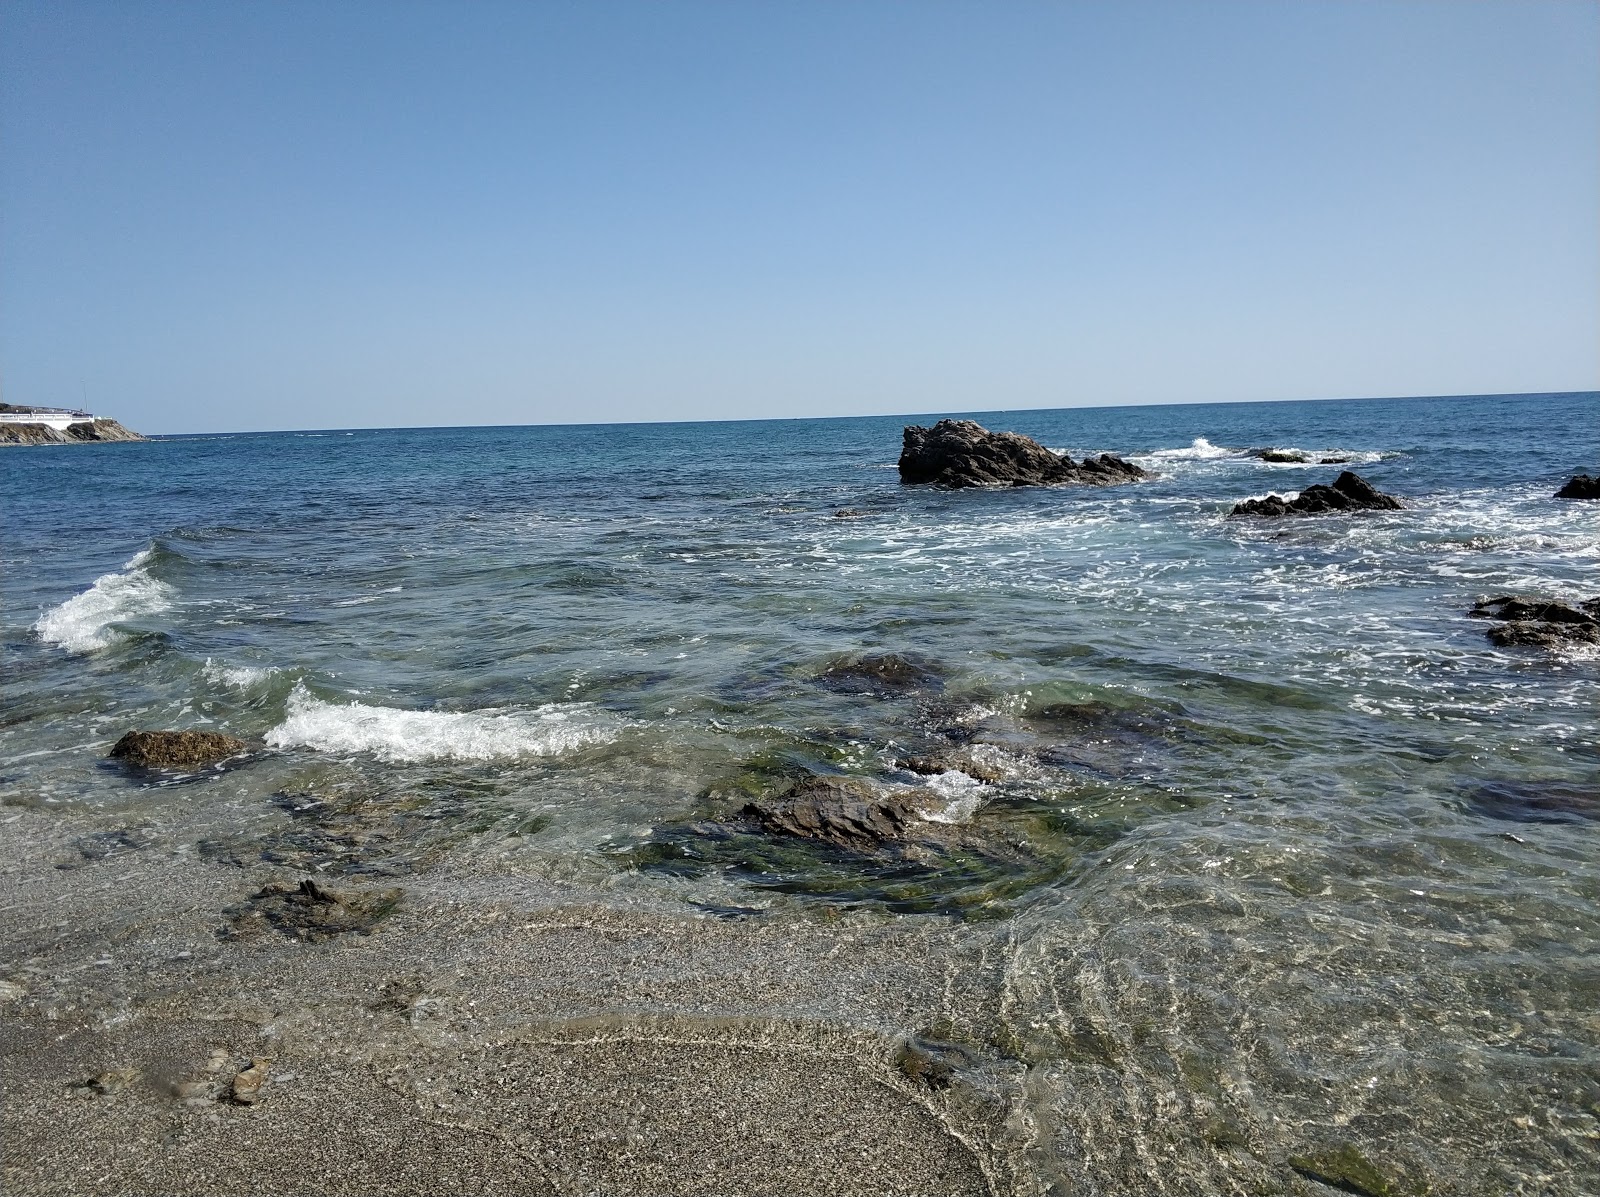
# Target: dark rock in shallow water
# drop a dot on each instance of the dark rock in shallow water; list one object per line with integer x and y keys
{"x": 846, "y": 812}
{"x": 878, "y": 673}
{"x": 1580, "y": 486}
{"x": 1536, "y": 801}
{"x": 1349, "y": 492}
{"x": 960, "y": 453}
{"x": 1539, "y": 623}
{"x": 312, "y": 911}
{"x": 175, "y": 749}
{"x": 1284, "y": 456}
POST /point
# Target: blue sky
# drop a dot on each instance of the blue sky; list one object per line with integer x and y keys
{"x": 272, "y": 215}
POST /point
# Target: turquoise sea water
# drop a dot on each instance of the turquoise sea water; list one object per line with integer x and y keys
{"x": 1318, "y": 841}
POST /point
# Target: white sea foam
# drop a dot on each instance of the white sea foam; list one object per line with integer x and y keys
{"x": 240, "y": 677}
{"x": 962, "y": 796}
{"x": 402, "y": 736}
{"x": 85, "y": 622}
{"x": 1199, "y": 450}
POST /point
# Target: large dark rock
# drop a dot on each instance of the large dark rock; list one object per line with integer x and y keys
{"x": 175, "y": 749}
{"x": 1349, "y": 492}
{"x": 958, "y": 453}
{"x": 846, "y": 812}
{"x": 1580, "y": 486}
{"x": 1539, "y": 623}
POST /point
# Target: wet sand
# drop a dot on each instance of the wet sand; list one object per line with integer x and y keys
{"x": 494, "y": 1034}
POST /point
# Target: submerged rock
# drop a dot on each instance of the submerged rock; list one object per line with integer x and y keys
{"x": 1539, "y": 623}
{"x": 962, "y": 453}
{"x": 1534, "y": 801}
{"x": 982, "y": 762}
{"x": 312, "y": 911}
{"x": 246, "y": 1087}
{"x": 1349, "y": 492}
{"x": 878, "y": 673}
{"x": 175, "y": 749}
{"x": 1580, "y": 486}
{"x": 846, "y": 812}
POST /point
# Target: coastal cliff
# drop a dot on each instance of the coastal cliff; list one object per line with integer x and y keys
{"x": 23, "y": 433}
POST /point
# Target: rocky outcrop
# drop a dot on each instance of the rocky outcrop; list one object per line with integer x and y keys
{"x": 75, "y": 434}
{"x": 1284, "y": 456}
{"x": 846, "y": 812}
{"x": 1349, "y": 492}
{"x": 1539, "y": 623}
{"x": 1580, "y": 486}
{"x": 175, "y": 749}
{"x": 962, "y": 453}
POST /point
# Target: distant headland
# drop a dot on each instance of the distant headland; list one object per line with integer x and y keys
{"x": 58, "y": 426}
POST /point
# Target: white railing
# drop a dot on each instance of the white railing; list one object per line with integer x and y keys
{"x": 51, "y": 418}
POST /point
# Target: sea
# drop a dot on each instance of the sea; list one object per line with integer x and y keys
{"x": 1263, "y": 826}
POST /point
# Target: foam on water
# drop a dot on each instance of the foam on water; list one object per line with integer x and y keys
{"x": 1198, "y": 450}
{"x": 86, "y": 622}
{"x": 240, "y": 677}
{"x": 408, "y": 737}
{"x": 962, "y": 796}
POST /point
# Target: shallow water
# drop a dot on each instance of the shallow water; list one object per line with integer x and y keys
{"x": 1268, "y": 835}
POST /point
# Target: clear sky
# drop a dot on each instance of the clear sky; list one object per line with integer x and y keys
{"x": 219, "y": 216}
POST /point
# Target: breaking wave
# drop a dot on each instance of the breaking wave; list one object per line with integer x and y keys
{"x": 86, "y": 622}
{"x": 240, "y": 677}
{"x": 408, "y": 737}
{"x": 1200, "y": 450}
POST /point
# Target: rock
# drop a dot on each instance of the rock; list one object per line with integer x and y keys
{"x": 1539, "y": 623}
{"x": 75, "y": 434}
{"x": 1580, "y": 486}
{"x": 312, "y": 911}
{"x": 930, "y": 1062}
{"x": 879, "y": 673}
{"x": 846, "y": 812}
{"x": 175, "y": 749}
{"x": 246, "y": 1089}
{"x": 1284, "y": 456}
{"x": 851, "y": 513}
{"x": 1536, "y": 801}
{"x": 1346, "y": 1169}
{"x": 1349, "y": 492}
{"x": 961, "y": 453}
{"x": 1333, "y": 461}
{"x": 106, "y": 1083}
{"x": 982, "y": 762}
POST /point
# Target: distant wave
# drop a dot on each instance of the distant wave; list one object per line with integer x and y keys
{"x": 1199, "y": 450}
{"x": 405, "y": 737}
{"x": 85, "y": 622}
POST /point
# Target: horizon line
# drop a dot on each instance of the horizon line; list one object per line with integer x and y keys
{"x": 874, "y": 415}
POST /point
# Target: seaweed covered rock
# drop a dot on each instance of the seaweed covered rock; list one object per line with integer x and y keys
{"x": 1580, "y": 486}
{"x": 962, "y": 453}
{"x": 175, "y": 749}
{"x": 846, "y": 812}
{"x": 1349, "y": 492}
{"x": 1539, "y": 623}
